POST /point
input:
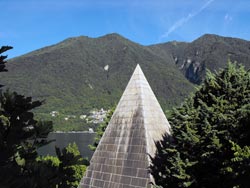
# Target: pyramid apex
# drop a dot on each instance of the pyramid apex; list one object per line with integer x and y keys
{"x": 138, "y": 74}
{"x": 138, "y": 67}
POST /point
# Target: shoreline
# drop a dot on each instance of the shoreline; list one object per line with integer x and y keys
{"x": 73, "y": 132}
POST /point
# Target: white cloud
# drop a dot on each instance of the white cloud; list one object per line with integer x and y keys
{"x": 185, "y": 19}
{"x": 228, "y": 18}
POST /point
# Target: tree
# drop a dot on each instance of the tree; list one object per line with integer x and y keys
{"x": 72, "y": 166}
{"x": 3, "y": 57}
{"x": 20, "y": 137}
{"x": 65, "y": 170}
{"x": 210, "y": 142}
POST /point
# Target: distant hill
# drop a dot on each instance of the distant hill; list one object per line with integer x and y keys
{"x": 71, "y": 76}
{"x": 81, "y": 73}
{"x": 207, "y": 52}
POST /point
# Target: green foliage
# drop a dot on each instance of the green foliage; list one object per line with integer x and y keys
{"x": 54, "y": 161}
{"x": 210, "y": 139}
{"x": 20, "y": 137}
{"x": 71, "y": 77}
{"x": 207, "y": 52}
{"x": 65, "y": 170}
{"x": 72, "y": 166}
{"x": 72, "y": 124}
{"x": 3, "y": 57}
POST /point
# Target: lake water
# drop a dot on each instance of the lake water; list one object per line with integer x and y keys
{"x": 82, "y": 139}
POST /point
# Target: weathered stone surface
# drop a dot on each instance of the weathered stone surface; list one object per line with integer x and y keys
{"x": 121, "y": 159}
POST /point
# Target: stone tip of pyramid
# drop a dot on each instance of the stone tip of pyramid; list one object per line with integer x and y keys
{"x": 138, "y": 67}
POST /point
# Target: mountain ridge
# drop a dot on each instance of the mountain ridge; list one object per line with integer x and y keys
{"x": 209, "y": 51}
{"x": 72, "y": 77}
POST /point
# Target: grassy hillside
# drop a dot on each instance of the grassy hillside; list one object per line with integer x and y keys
{"x": 70, "y": 76}
{"x": 80, "y": 74}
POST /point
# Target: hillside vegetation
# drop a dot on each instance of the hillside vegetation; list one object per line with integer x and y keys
{"x": 80, "y": 74}
{"x": 207, "y": 52}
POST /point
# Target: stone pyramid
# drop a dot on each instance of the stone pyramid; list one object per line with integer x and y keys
{"x": 121, "y": 159}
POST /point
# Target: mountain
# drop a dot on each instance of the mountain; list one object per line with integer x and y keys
{"x": 207, "y": 52}
{"x": 81, "y": 73}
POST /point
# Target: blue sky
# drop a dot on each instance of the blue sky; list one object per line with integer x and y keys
{"x": 28, "y": 25}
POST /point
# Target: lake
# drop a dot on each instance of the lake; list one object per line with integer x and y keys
{"x": 82, "y": 139}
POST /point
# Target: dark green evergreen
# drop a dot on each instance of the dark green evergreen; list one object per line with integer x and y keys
{"x": 210, "y": 143}
{"x": 63, "y": 171}
{"x": 72, "y": 166}
{"x": 3, "y": 57}
{"x": 20, "y": 137}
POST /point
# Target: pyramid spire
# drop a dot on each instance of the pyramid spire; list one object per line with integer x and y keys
{"x": 121, "y": 159}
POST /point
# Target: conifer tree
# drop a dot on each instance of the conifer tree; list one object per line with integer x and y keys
{"x": 210, "y": 142}
{"x": 63, "y": 171}
{"x": 72, "y": 166}
{"x": 3, "y": 57}
{"x": 20, "y": 137}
